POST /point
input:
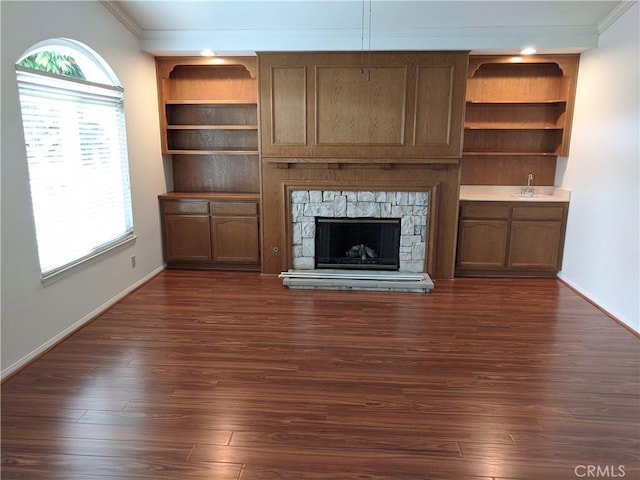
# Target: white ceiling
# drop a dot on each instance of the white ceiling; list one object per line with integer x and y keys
{"x": 248, "y": 26}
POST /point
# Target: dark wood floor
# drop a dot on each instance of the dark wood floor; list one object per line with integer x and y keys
{"x": 201, "y": 375}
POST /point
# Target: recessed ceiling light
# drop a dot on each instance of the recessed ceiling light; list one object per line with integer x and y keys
{"x": 528, "y": 51}
{"x": 207, "y": 53}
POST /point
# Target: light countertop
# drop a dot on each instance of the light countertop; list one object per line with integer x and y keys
{"x": 508, "y": 193}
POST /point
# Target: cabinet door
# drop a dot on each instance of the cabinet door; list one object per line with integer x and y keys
{"x": 235, "y": 239}
{"x": 187, "y": 238}
{"x": 535, "y": 245}
{"x": 482, "y": 244}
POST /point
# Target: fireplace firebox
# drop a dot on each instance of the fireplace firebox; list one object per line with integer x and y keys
{"x": 357, "y": 243}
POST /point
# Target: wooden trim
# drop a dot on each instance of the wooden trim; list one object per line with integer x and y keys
{"x": 209, "y": 196}
{"x": 360, "y": 162}
{"x": 432, "y": 228}
{"x": 165, "y": 65}
{"x": 565, "y": 62}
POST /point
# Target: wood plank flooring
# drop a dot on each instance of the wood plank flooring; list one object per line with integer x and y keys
{"x": 221, "y": 375}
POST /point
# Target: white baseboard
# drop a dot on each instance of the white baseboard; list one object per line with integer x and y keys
{"x": 72, "y": 328}
{"x": 598, "y": 303}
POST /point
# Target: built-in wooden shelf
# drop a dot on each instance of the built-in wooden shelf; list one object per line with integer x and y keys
{"x": 518, "y": 118}
{"x": 209, "y": 127}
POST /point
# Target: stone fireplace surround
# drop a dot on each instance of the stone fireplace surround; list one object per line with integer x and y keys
{"x": 411, "y": 207}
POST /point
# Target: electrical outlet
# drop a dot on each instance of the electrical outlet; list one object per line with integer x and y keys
{"x": 133, "y": 261}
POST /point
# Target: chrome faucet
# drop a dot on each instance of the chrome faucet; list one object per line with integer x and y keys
{"x": 528, "y": 190}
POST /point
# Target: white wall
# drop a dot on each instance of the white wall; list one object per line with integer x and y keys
{"x": 601, "y": 257}
{"x": 34, "y": 316}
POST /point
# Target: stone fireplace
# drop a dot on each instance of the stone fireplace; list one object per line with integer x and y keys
{"x": 411, "y": 208}
{"x": 377, "y": 262}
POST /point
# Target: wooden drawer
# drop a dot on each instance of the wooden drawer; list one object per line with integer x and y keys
{"x": 484, "y": 210}
{"x": 542, "y": 212}
{"x": 186, "y": 207}
{"x": 234, "y": 208}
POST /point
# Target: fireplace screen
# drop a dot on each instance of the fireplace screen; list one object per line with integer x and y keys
{"x": 357, "y": 243}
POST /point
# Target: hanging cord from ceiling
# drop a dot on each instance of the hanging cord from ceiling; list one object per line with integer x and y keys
{"x": 362, "y": 35}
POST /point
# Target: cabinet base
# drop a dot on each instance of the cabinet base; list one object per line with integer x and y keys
{"x": 218, "y": 266}
{"x": 505, "y": 274}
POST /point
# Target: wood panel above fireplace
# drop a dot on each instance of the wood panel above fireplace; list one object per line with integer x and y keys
{"x": 348, "y": 106}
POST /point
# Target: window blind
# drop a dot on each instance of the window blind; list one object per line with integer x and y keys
{"x": 78, "y": 167}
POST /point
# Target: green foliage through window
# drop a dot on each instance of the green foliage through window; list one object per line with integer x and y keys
{"x": 53, "y": 62}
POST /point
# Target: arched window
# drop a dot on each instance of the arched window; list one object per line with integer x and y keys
{"x": 74, "y": 130}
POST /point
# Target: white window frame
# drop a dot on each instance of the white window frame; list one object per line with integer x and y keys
{"x": 60, "y": 116}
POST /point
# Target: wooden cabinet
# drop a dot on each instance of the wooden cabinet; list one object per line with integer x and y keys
{"x": 518, "y": 118}
{"x": 235, "y": 232}
{"x": 482, "y": 244}
{"x": 211, "y": 231}
{"x": 187, "y": 238}
{"x": 535, "y": 245}
{"x": 209, "y": 128}
{"x": 186, "y": 231}
{"x": 385, "y": 107}
{"x": 510, "y": 238}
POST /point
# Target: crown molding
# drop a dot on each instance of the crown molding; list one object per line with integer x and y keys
{"x": 547, "y": 39}
{"x": 123, "y": 18}
{"x": 615, "y": 13}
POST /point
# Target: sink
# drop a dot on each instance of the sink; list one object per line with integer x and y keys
{"x": 531, "y": 195}
{"x": 524, "y": 196}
